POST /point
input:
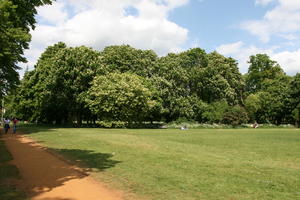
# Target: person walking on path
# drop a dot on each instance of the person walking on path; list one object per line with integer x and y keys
{"x": 15, "y": 121}
{"x": 6, "y": 125}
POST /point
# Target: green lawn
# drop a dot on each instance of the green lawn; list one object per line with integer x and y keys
{"x": 8, "y": 173}
{"x": 186, "y": 165}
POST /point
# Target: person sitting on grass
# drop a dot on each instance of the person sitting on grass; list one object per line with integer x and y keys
{"x": 255, "y": 125}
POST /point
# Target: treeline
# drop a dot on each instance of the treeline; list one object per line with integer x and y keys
{"x": 128, "y": 85}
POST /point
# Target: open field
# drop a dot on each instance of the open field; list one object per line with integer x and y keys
{"x": 186, "y": 165}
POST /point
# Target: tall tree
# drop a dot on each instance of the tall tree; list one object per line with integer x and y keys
{"x": 295, "y": 98}
{"x": 125, "y": 58}
{"x": 16, "y": 20}
{"x": 121, "y": 96}
{"x": 176, "y": 80}
{"x": 220, "y": 80}
{"x": 61, "y": 75}
{"x": 261, "y": 68}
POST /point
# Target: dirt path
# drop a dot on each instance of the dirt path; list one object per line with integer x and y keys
{"x": 47, "y": 177}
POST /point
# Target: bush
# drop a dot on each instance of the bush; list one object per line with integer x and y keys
{"x": 112, "y": 124}
{"x": 235, "y": 116}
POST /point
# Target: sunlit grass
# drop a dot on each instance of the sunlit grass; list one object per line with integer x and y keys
{"x": 189, "y": 164}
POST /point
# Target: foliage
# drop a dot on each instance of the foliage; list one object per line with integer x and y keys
{"x": 124, "y": 58}
{"x": 137, "y": 86}
{"x": 252, "y": 105}
{"x": 16, "y": 19}
{"x": 261, "y": 68}
{"x": 52, "y": 92}
{"x": 294, "y": 94}
{"x": 120, "y": 96}
{"x": 220, "y": 80}
{"x": 235, "y": 116}
{"x": 214, "y": 113}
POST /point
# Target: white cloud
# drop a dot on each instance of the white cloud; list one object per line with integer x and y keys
{"x": 99, "y": 23}
{"x": 283, "y": 20}
{"x": 288, "y": 60}
{"x": 232, "y": 48}
{"x": 241, "y": 53}
{"x": 56, "y": 13}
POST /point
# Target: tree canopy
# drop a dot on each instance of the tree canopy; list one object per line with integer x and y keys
{"x": 121, "y": 83}
{"x": 16, "y": 20}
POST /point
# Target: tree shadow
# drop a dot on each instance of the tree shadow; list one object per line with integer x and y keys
{"x": 89, "y": 160}
{"x": 29, "y": 129}
{"x": 43, "y": 170}
{"x": 79, "y": 164}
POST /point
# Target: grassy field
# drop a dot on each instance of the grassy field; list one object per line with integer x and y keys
{"x": 8, "y": 173}
{"x": 193, "y": 164}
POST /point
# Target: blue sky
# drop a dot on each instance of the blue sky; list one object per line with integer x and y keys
{"x": 235, "y": 28}
{"x": 215, "y": 22}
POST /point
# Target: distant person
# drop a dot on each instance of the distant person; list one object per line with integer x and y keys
{"x": 6, "y": 125}
{"x": 15, "y": 121}
{"x": 255, "y": 125}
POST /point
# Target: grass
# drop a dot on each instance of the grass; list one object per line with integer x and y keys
{"x": 8, "y": 172}
{"x": 206, "y": 164}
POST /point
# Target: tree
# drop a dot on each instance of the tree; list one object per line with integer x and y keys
{"x": 214, "y": 112}
{"x": 235, "y": 115}
{"x": 176, "y": 81}
{"x": 60, "y": 78}
{"x": 261, "y": 68}
{"x": 220, "y": 80}
{"x": 252, "y": 105}
{"x": 120, "y": 96}
{"x": 122, "y": 59}
{"x": 294, "y": 98}
{"x": 16, "y": 19}
{"x": 32, "y": 100}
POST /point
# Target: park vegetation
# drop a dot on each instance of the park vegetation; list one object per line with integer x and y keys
{"x": 121, "y": 86}
{"x": 16, "y": 20}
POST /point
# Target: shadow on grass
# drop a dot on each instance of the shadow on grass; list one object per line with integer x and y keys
{"x": 47, "y": 170}
{"x": 9, "y": 174}
{"x": 59, "y": 173}
{"x": 5, "y": 156}
{"x": 88, "y": 159}
{"x": 32, "y": 128}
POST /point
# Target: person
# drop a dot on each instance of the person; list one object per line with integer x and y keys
{"x": 6, "y": 125}
{"x": 255, "y": 125}
{"x": 15, "y": 121}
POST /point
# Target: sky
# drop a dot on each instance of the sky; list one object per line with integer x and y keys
{"x": 234, "y": 28}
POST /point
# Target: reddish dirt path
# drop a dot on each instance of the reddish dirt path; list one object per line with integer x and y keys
{"x": 47, "y": 177}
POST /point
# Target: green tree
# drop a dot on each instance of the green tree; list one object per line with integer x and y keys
{"x": 121, "y": 96}
{"x": 267, "y": 80}
{"x": 60, "y": 77}
{"x": 32, "y": 96}
{"x": 294, "y": 98}
{"x": 214, "y": 112}
{"x": 124, "y": 58}
{"x": 235, "y": 115}
{"x": 16, "y": 19}
{"x": 261, "y": 68}
{"x": 176, "y": 82}
{"x": 253, "y": 105}
{"x": 220, "y": 80}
